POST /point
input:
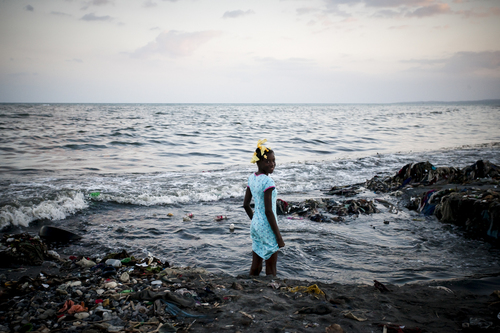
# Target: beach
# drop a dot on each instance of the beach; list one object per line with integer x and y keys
{"x": 210, "y": 302}
{"x": 167, "y": 182}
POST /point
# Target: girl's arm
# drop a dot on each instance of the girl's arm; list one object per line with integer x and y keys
{"x": 271, "y": 218}
{"x": 246, "y": 203}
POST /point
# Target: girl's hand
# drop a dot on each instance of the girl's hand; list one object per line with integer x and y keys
{"x": 281, "y": 243}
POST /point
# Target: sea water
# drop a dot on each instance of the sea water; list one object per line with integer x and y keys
{"x": 127, "y": 175}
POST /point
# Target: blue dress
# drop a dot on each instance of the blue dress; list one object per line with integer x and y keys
{"x": 264, "y": 242}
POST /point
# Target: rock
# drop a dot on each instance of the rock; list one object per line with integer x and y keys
{"x": 334, "y": 328}
{"x": 237, "y": 286}
{"x": 74, "y": 283}
{"x": 110, "y": 285}
{"x": 81, "y": 315}
{"x": 48, "y": 313}
{"x": 53, "y": 254}
{"x": 125, "y": 277}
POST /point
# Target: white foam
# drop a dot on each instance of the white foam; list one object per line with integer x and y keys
{"x": 65, "y": 204}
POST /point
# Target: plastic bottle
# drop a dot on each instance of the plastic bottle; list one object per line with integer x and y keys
{"x": 114, "y": 262}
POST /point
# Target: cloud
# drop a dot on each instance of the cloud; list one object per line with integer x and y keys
{"x": 473, "y": 61}
{"x": 493, "y": 11}
{"x": 175, "y": 43}
{"x": 149, "y": 3}
{"x": 394, "y": 8}
{"x": 462, "y": 62}
{"x": 29, "y": 8}
{"x": 101, "y": 2}
{"x": 237, "y": 13}
{"x": 379, "y": 3}
{"x": 387, "y": 13}
{"x": 97, "y": 3}
{"x": 94, "y": 17}
{"x": 437, "y": 9}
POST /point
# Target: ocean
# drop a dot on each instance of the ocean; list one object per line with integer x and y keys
{"x": 125, "y": 176}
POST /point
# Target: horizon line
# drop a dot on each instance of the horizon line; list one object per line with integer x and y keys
{"x": 490, "y": 100}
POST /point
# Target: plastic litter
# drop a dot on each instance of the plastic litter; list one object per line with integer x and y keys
{"x": 73, "y": 308}
{"x": 114, "y": 262}
{"x": 126, "y": 260}
{"x": 175, "y": 311}
{"x": 351, "y": 316}
{"x": 86, "y": 263}
{"x": 313, "y": 289}
{"x": 480, "y": 323}
{"x": 108, "y": 271}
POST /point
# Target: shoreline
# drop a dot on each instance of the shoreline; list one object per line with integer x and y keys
{"x": 236, "y": 304}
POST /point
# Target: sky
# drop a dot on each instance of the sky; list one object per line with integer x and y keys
{"x": 254, "y": 51}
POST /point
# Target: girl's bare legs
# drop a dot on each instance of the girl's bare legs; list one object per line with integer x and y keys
{"x": 271, "y": 264}
{"x": 256, "y": 265}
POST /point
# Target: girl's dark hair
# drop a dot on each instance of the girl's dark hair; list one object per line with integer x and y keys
{"x": 259, "y": 155}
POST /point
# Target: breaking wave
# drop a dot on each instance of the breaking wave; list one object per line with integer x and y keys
{"x": 22, "y": 214}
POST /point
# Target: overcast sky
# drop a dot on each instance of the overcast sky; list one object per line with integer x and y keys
{"x": 255, "y": 51}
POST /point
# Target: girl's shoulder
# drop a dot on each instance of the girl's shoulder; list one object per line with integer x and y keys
{"x": 260, "y": 178}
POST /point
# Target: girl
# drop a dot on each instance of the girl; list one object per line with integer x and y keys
{"x": 266, "y": 236}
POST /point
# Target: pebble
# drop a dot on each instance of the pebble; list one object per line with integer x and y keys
{"x": 74, "y": 283}
{"x": 110, "y": 285}
{"x": 125, "y": 277}
{"x": 81, "y": 315}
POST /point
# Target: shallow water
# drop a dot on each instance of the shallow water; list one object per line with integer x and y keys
{"x": 146, "y": 161}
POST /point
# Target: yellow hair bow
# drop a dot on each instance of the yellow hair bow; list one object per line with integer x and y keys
{"x": 262, "y": 148}
{"x": 254, "y": 158}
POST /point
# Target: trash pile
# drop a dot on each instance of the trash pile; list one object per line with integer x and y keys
{"x": 121, "y": 293}
{"x": 424, "y": 173}
{"x": 22, "y": 249}
{"x": 320, "y": 210}
{"x": 111, "y": 294}
{"x": 476, "y": 210}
